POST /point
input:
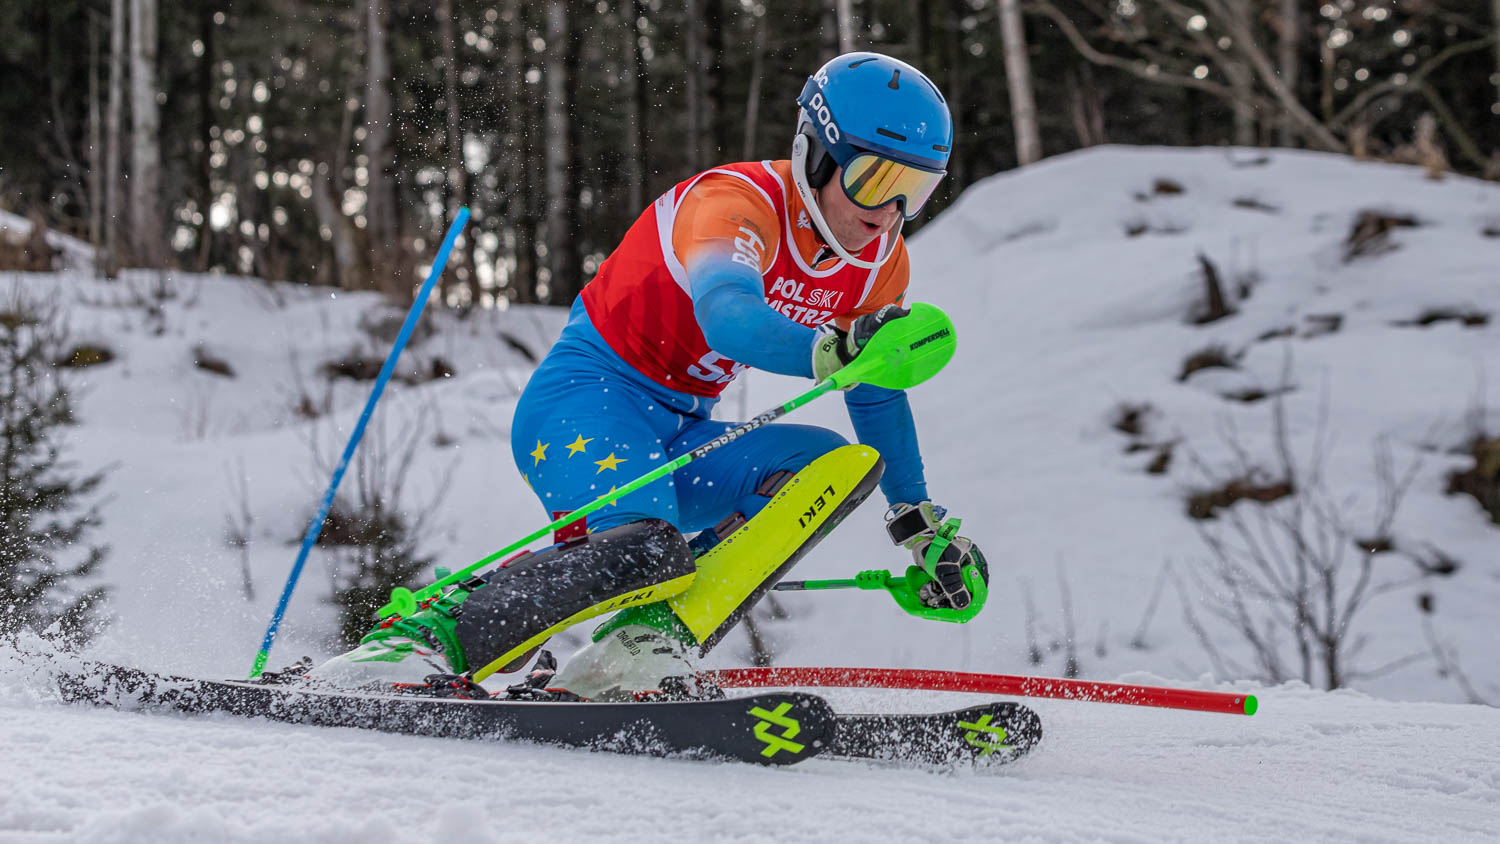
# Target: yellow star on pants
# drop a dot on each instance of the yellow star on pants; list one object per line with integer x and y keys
{"x": 616, "y": 502}
{"x": 540, "y": 452}
{"x": 611, "y": 462}
{"x": 577, "y": 446}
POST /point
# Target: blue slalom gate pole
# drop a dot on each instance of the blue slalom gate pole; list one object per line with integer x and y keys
{"x": 311, "y": 537}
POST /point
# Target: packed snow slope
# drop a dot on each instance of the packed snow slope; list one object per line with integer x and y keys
{"x": 1311, "y": 766}
{"x": 1074, "y": 285}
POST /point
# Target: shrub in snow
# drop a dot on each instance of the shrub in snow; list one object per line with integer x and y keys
{"x": 1289, "y": 578}
{"x": 1215, "y": 305}
{"x": 85, "y": 354}
{"x": 1130, "y": 419}
{"x": 1167, "y": 187}
{"x": 1482, "y": 480}
{"x": 372, "y": 537}
{"x": 1319, "y": 325}
{"x": 1254, "y": 485}
{"x": 45, "y": 502}
{"x": 1370, "y": 234}
{"x": 1208, "y": 357}
{"x": 209, "y": 362}
{"x": 1468, "y": 317}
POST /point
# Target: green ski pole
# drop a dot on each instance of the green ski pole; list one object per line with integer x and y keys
{"x": 902, "y": 354}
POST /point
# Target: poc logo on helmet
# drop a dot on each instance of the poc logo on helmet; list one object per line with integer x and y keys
{"x": 819, "y": 108}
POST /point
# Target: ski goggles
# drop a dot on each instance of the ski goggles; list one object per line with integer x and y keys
{"x": 872, "y": 181}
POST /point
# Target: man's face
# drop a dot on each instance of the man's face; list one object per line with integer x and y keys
{"x": 855, "y": 227}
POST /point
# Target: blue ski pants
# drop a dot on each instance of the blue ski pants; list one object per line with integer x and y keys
{"x": 588, "y": 423}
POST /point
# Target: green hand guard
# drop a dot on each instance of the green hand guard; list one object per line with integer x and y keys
{"x": 906, "y": 591}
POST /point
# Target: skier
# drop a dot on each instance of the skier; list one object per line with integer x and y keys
{"x": 788, "y": 266}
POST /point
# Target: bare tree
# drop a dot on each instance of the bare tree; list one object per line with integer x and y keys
{"x": 844, "y": 14}
{"x": 112, "y": 120}
{"x": 695, "y": 50}
{"x": 239, "y": 522}
{"x": 1496, "y": 36}
{"x": 757, "y": 70}
{"x": 1289, "y": 48}
{"x": 96, "y": 144}
{"x": 1018, "y": 81}
{"x": 207, "y": 122}
{"x": 632, "y": 59}
{"x": 373, "y": 535}
{"x": 147, "y": 240}
{"x": 1179, "y": 45}
{"x": 457, "y": 185}
{"x": 380, "y": 192}
{"x": 564, "y": 272}
{"x": 1293, "y": 571}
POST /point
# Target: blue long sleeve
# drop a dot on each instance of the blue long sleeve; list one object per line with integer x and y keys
{"x": 730, "y": 304}
{"x": 882, "y": 420}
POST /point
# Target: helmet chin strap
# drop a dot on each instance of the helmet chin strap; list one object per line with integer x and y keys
{"x": 799, "y": 178}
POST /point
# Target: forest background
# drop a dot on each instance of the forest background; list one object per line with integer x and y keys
{"x": 330, "y": 142}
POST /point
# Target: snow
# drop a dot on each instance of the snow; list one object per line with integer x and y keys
{"x": 1062, "y": 317}
{"x": 1310, "y": 766}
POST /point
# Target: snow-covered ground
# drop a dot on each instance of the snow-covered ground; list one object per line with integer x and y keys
{"x": 1311, "y": 766}
{"x": 1071, "y": 284}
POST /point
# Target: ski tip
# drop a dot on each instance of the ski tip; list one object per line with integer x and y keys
{"x": 1251, "y": 704}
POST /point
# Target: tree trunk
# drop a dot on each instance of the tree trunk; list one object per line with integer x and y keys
{"x": 206, "y": 98}
{"x": 844, "y": 14}
{"x": 562, "y": 197}
{"x": 380, "y": 198}
{"x": 96, "y": 143}
{"x": 953, "y": 57}
{"x": 110, "y": 262}
{"x": 1290, "y": 47}
{"x": 635, "y": 194}
{"x": 457, "y": 186}
{"x": 1018, "y": 80}
{"x": 520, "y": 189}
{"x": 1496, "y": 80}
{"x": 752, "y": 99}
{"x": 693, "y": 51}
{"x": 714, "y": 107}
{"x": 147, "y": 241}
{"x": 828, "y": 25}
{"x": 642, "y": 109}
{"x": 1241, "y": 78}
{"x": 343, "y": 236}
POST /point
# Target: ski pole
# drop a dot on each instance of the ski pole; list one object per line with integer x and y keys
{"x": 1232, "y": 703}
{"x": 903, "y": 353}
{"x": 316, "y": 526}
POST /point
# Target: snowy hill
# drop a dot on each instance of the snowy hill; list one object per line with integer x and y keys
{"x": 1074, "y": 285}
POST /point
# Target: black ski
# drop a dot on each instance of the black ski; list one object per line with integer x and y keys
{"x": 991, "y": 733}
{"x": 778, "y": 728}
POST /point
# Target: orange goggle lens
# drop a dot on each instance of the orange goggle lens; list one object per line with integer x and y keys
{"x": 872, "y": 181}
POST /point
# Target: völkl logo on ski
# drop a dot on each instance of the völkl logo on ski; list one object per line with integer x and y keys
{"x": 983, "y": 725}
{"x": 778, "y": 718}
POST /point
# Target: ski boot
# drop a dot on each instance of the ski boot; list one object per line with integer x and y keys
{"x": 641, "y": 654}
{"x": 403, "y": 651}
{"x": 494, "y": 623}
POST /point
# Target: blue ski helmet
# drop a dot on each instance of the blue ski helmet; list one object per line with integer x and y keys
{"x": 884, "y": 122}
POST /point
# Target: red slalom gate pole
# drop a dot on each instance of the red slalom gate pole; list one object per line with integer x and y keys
{"x": 1000, "y": 684}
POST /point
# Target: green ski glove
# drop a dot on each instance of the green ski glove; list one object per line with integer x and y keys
{"x": 834, "y": 348}
{"x": 920, "y": 529}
